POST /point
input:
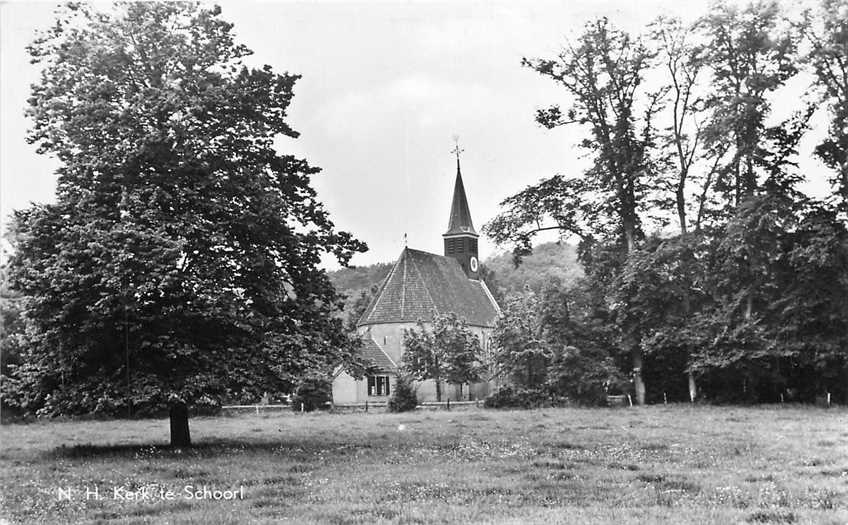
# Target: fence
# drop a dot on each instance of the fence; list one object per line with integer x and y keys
{"x": 424, "y": 405}
{"x": 257, "y": 408}
{"x": 365, "y": 405}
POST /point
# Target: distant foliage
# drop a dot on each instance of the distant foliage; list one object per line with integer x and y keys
{"x": 313, "y": 392}
{"x": 549, "y": 262}
{"x": 404, "y": 397}
{"x": 360, "y": 277}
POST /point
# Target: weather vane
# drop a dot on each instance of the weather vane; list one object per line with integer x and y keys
{"x": 456, "y": 149}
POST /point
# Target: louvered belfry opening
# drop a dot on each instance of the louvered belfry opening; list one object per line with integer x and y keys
{"x": 461, "y": 237}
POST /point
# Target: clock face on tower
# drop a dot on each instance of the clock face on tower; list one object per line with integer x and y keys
{"x": 473, "y": 263}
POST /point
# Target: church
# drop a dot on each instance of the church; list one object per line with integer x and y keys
{"x": 419, "y": 286}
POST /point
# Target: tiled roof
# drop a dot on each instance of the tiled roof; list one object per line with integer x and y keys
{"x": 460, "y": 215}
{"x": 372, "y": 352}
{"x": 422, "y": 284}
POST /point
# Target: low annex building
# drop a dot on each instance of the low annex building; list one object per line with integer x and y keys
{"x": 420, "y": 285}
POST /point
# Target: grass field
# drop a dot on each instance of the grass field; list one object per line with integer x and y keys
{"x": 674, "y": 464}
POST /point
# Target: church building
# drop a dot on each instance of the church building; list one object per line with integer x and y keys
{"x": 420, "y": 285}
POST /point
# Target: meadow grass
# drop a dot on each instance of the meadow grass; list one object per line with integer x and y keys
{"x": 658, "y": 464}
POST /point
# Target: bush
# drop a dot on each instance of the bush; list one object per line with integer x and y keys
{"x": 509, "y": 397}
{"x": 313, "y": 392}
{"x": 585, "y": 376}
{"x": 404, "y": 397}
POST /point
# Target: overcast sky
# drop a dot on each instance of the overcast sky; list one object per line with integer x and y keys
{"x": 385, "y": 87}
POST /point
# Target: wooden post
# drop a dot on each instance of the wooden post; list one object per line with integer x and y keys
{"x": 665, "y": 399}
{"x": 366, "y": 405}
{"x": 828, "y": 400}
{"x": 448, "y": 402}
{"x": 257, "y": 410}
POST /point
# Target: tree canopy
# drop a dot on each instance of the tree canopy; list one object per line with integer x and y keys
{"x": 681, "y": 121}
{"x": 181, "y": 256}
{"x": 447, "y": 351}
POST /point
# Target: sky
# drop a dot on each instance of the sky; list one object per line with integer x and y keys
{"x": 385, "y": 87}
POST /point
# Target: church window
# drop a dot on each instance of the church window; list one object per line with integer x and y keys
{"x": 378, "y": 385}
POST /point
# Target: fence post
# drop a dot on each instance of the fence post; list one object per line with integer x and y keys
{"x": 448, "y": 403}
{"x": 257, "y": 410}
{"x": 366, "y": 405}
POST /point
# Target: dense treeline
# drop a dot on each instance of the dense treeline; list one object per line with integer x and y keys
{"x": 708, "y": 272}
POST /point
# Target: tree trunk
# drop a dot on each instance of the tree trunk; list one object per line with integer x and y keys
{"x": 636, "y": 354}
{"x": 180, "y": 436}
{"x": 438, "y": 390}
{"x": 630, "y": 341}
{"x": 693, "y": 388}
{"x": 638, "y": 383}
{"x": 681, "y": 202}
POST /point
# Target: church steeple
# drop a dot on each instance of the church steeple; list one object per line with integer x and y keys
{"x": 460, "y": 215}
{"x": 461, "y": 237}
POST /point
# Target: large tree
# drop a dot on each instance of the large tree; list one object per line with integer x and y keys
{"x": 179, "y": 264}
{"x": 826, "y": 30}
{"x": 603, "y": 74}
{"x": 750, "y": 52}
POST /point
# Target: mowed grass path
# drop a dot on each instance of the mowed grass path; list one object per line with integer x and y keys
{"x": 674, "y": 464}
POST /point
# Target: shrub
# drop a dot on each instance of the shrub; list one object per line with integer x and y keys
{"x": 510, "y": 397}
{"x": 585, "y": 376}
{"x": 313, "y": 392}
{"x": 403, "y": 397}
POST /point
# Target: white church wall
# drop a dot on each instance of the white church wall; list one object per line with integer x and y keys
{"x": 345, "y": 389}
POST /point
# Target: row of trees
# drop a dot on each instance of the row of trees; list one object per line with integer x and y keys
{"x": 704, "y": 257}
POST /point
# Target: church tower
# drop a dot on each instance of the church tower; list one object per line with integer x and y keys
{"x": 461, "y": 238}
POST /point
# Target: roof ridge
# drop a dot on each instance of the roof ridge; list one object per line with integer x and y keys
{"x": 404, "y": 257}
{"x": 426, "y": 288}
{"x": 490, "y": 296}
{"x": 380, "y": 291}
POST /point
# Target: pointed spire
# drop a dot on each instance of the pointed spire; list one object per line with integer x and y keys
{"x": 460, "y": 215}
